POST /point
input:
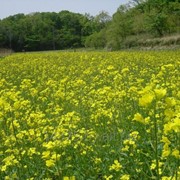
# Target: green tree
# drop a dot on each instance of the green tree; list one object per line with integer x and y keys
{"x": 102, "y": 20}
{"x": 120, "y": 27}
{"x": 96, "y": 40}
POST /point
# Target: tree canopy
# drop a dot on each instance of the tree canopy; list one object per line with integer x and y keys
{"x": 51, "y": 31}
{"x": 139, "y": 20}
{"x": 46, "y": 31}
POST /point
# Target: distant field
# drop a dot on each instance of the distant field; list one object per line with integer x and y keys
{"x": 90, "y": 116}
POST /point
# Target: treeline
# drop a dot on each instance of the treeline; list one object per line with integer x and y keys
{"x": 46, "y": 31}
{"x": 128, "y": 27}
{"x": 140, "y": 23}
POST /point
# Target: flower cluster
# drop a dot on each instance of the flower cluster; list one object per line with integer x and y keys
{"x": 96, "y": 115}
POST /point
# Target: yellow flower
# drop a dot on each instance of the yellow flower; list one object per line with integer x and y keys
{"x": 165, "y": 140}
{"x": 110, "y": 67}
{"x": 49, "y": 145}
{"x": 50, "y": 163}
{"x": 9, "y": 160}
{"x": 31, "y": 151}
{"x": 138, "y": 117}
{"x": 153, "y": 166}
{"x": 170, "y": 101}
{"x": 65, "y": 178}
{"x": 125, "y": 177}
{"x": 176, "y": 124}
{"x": 147, "y": 120}
{"x": 116, "y": 166}
{"x": 56, "y": 156}
{"x": 131, "y": 142}
{"x": 125, "y": 70}
{"x": 46, "y": 154}
{"x": 169, "y": 113}
{"x": 126, "y": 148}
{"x": 167, "y": 178}
{"x": 160, "y": 93}
{"x": 167, "y": 128}
{"x": 166, "y": 152}
{"x": 69, "y": 178}
{"x": 108, "y": 177}
{"x": 7, "y": 178}
{"x": 146, "y": 100}
{"x": 97, "y": 160}
{"x": 4, "y": 168}
{"x": 176, "y": 153}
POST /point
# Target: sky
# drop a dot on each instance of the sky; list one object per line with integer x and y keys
{"x": 93, "y": 7}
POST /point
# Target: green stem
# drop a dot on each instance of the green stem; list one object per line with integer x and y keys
{"x": 156, "y": 146}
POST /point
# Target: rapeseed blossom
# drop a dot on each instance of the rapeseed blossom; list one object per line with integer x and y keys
{"x": 146, "y": 99}
{"x": 50, "y": 163}
{"x": 160, "y": 93}
{"x": 69, "y": 178}
{"x": 138, "y": 117}
{"x": 115, "y": 166}
{"x": 170, "y": 101}
{"x": 125, "y": 177}
{"x": 108, "y": 177}
{"x": 89, "y": 115}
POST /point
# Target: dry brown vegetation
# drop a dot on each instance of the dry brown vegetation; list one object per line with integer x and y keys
{"x": 5, "y": 52}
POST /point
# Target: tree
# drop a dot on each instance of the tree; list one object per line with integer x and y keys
{"x": 102, "y": 19}
{"x": 96, "y": 40}
{"x": 120, "y": 27}
{"x": 45, "y": 31}
{"x": 50, "y": 31}
{"x": 157, "y": 16}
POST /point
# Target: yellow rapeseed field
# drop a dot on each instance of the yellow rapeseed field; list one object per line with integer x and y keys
{"x": 90, "y": 116}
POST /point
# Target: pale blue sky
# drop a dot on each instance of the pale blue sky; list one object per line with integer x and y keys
{"x": 11, "y": 7}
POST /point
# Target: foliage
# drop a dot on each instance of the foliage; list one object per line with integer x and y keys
{"x": 155, "y": 18}
{"x": 120, "y": 27}
{"x": 96, "y": 40}
{"x": 95, "y": 115}
{"x": 46, "y": 31}
{"x": 51, "y": 31}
